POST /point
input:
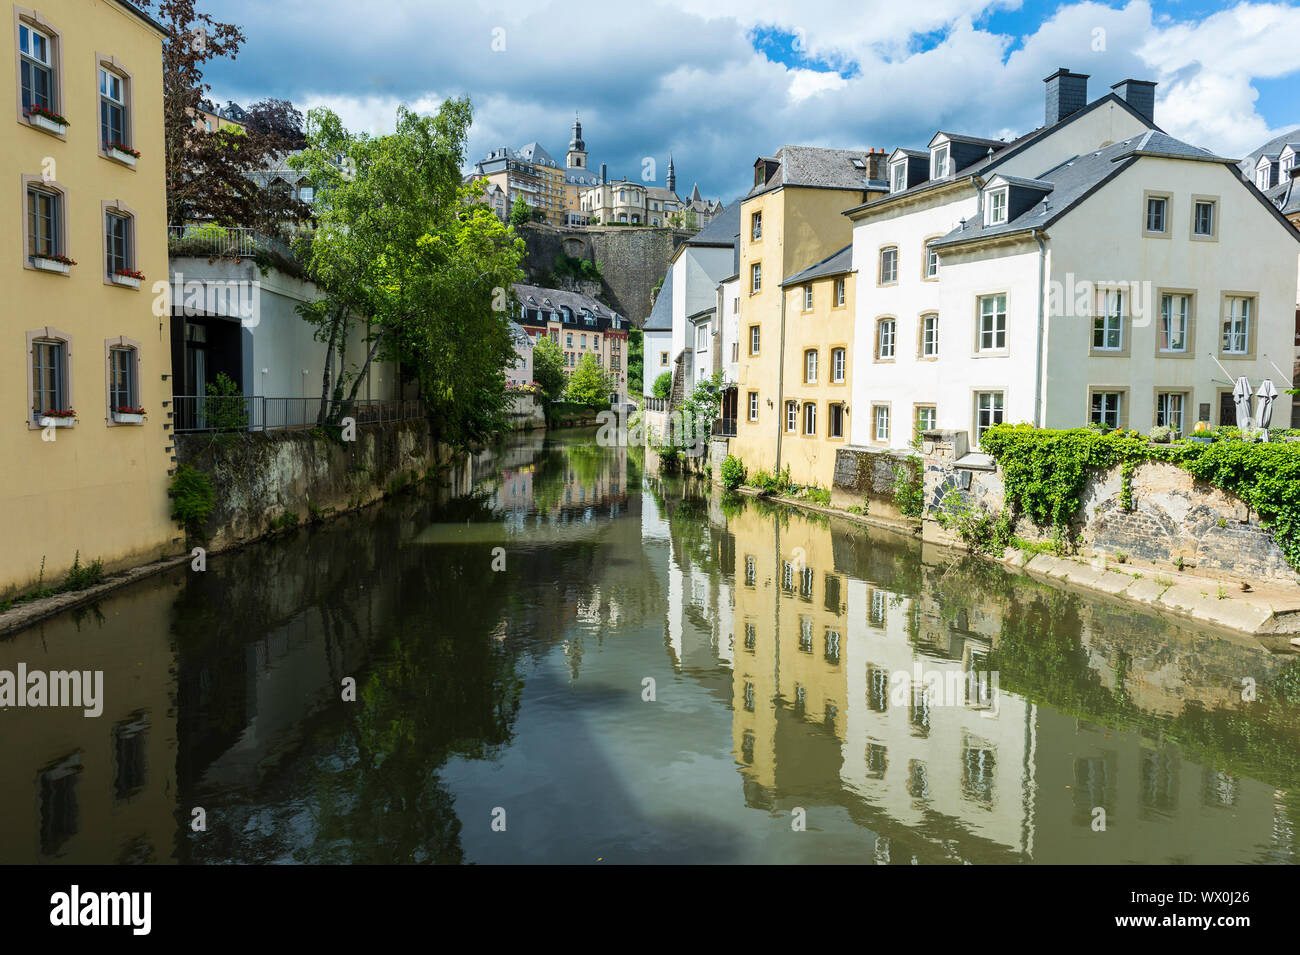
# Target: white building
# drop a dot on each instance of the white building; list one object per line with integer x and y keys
{"x": 1094, "y": 269}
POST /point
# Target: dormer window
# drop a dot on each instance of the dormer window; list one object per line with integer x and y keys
{"x": 898, "y": 176}
{"x": 939, "y": 162}
{"x": 997, "y": 214}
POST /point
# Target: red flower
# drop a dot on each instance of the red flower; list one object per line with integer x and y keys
{"x": 59, "y": 413}
{"x": 130, "y": 274}
{"x": 127, "y": 409}
{"x": 123, "y": 148}
{"x": 38, "y": 110}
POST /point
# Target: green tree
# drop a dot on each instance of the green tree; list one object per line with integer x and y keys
{"x": 548, "y": 369}
{"x": 635, "y": 359}
{"x": 663, "y": 385}
{"x": 412, "y": 258}
{"x": 519, "y": 212}
{"x": 589, "y": 384}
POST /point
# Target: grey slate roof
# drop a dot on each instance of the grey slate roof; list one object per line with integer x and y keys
{"x": 837, "y": 263}
{"x": 661, "y": 316}
{"x": 1285, "y": 196}
{"x": 535, "y": 153}
{"x": 1076, "y": 179}
{"x": 814, "y": 166}
{"x": 1272, "y": 147}
{"x": 559, "y": 297}
{"x": 722, "y": 230}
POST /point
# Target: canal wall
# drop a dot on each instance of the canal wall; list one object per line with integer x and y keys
{"x": 272, "y": 480}
{"x": 524, "y": 413}
{"x": 866, "y": 478}
{"x": 1172, "y": 521}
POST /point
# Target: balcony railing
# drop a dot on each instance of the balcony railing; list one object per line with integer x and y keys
{"x": 260, "y": 413}
{"x": 724, "y": 427}
{"x": 655, "y": 404}
{"x": 224, "y": 241}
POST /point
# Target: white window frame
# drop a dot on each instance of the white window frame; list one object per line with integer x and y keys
{"x": 1164, "y": 412}
{"x": 997, "y": 210}
{"x": 755, "y": 339}
{"x": 810, "y": 419}
{"x": 1196, "y": 218}
{"x": 810, "y": 366}
{"x": 940, "y": 159}
{"x": 886, "y": 338}
{"x": 756, "y": 278}
{"x": 931, "y": 259}
{"x": 1168, "y": 315}
{"x": 753, "y": 406}
{"x": 930, "y": 335}
{"x": 1236, "y": 325}
{"x": 1164, "y": 214}
{"x": 992, "y": 324}
{"x": 880, "y": 423}
{"x": 839, "y": 292}
{"x": 1109, "y": 312}
{"x": 792, "y": 417}
{"x": 893, "y": 272}
{"x": 839, "y": 364}
{"x": 808, "y": 297}
{"x": 1101, "y": 410}
{"x": 990, "y": 412}
{"x": 898, "y": 176}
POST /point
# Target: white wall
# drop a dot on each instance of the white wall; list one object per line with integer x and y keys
{"x": 653, "y": 344}
{"x": 729, "y": 303}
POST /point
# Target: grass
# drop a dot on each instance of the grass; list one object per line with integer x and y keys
{"x": 79, "y": 577}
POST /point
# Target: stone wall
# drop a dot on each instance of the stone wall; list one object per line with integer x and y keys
{"x": 866, "y": 477}
{"x": 260, "y": 478}
{"x": 1176, "y": 521}
{"x": 632, "y": 260}
{"x": 524, "y": 413}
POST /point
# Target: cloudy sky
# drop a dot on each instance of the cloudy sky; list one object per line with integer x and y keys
{"x": 720, "y": 82}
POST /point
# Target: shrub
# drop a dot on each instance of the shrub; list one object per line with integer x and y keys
{"x": 663, "y": 385}
{"x": 80, "y": 576}
{"x": 909, "y": 488}
{"x": 732, "y": 472}
{"x": 192, "y": 498}
{"x": 1161, "y": 434}
{"x": 982, "y": 531}
{"x": 818, "y": 495}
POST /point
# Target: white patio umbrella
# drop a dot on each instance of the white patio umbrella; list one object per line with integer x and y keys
{"x": 1241, "y": 393}
{"x": 1264, "y": 410}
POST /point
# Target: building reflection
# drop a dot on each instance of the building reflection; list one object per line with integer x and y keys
{"x": 94, "y": 790}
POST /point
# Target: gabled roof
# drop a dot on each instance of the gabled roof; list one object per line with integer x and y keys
{"x": 1076, "y": 179}
{"x": 815, "y": 166}
{"x": 554, "y": 298}
{"x": 973, "y": 140}
{"x": 1008, "y": 150}
{"x": 661, "y": 315}
{"x": 721, "y": 231}
{"x": 534, "y": 153}
{"x": 1249, "y": 163}
{"x": 837, "y": 263}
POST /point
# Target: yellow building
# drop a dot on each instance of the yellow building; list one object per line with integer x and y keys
{"x": 85, "y": 461}
{"x": 791, "y": 221}
{"x": 818, "y": 365}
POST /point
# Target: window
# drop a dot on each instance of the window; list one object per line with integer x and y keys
{"x": 44, "y": 222}
{"x": 1157, "y": 213}
{"x": 809, "y": 418}
{"x": 993, "y": 323}
{"x": 1203, "y": 219}
{"x": 1174, "y": 312}
{"x": 807, "y": 298}
{"x": 792, "y": 416}
{"x": 1169, "y": 410}
{"x": 753, "y": 339}
{"x": 36, "y": 67}
{"x": 568, "y": 339}
{"x": 810, "y": 366}
{"x": 701, "y": 337}
{"x": 931, "y": 261}
{"x": 753, "y": 406}
{"x": 930, "y": 336}
{"x": 756, "y": 226}
{"x": 663, "y": 357}
{"x": 939, "y": 162}
{"x": 583, "y": 342}
{"x": 1236, "y": 326}
{"x": 835, "y": 420}
{"x": 1105, "y": 408}
{"x": 751, "y": 571}
{"x": 1108, "y": 321}
{"x": 838, "y": 360}
{"x": 50, "y": 378}
{"x": 898, "y": 176}
{"x": 927, "y": 418}
{"x": 880, "y": 415}
{"x": 122, "y": 389}
{"x": 998, "y": 207}
{"x": 112, "y": 108}
{"x": 756, "y": 277}
{"x": 888, "y": 265}
{"x": 117, "y": 242}
{"x": 839, "y": 293}
{"x": 885, "y": 333}
{"x": 988, "y": 411}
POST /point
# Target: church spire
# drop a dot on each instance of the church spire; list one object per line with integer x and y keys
{"x": 672, "y": 175}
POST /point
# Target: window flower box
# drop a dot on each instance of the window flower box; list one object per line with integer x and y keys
{"x": 46, "y": 119}
{"x": 128, "y": 417}
{"x": 129, "y": 278}
{"x": 51, "y": 418}
{"x": 121, "y": 152}
{"x": 53, "y": 263}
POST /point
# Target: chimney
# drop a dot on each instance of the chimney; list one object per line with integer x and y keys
{"x": 1067, "y": 93}
{"x": 877, "y": 160}
{"x": 604, "y": 173}
{"x": 1140, "y": 94}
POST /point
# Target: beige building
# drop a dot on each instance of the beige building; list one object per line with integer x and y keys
{"x": 86, "y": 462}
{"x": 791, "y": 221}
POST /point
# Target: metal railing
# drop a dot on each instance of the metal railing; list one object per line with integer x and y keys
{"x": 228, "y": 241}
{"x": 260, "y": 413}
{"x": 724, "y": 427}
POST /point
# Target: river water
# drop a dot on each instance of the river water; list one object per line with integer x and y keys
{"x": 564, "y": 657}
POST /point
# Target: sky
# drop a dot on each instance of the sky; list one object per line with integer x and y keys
{"x": 719, "y": 83}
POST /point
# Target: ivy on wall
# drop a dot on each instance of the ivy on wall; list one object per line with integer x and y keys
{"x": 1045, "y": 472}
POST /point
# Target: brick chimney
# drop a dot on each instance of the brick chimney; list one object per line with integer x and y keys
{"x": 877, "y": 164}
{"x": 1140, "y": 94}
{"x": 1067, "y": 93}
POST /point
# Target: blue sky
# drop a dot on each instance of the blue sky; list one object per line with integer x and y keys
{"x": 719, "y": 83}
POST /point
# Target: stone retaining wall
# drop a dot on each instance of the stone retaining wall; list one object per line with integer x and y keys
{"x": 865, "y": 477}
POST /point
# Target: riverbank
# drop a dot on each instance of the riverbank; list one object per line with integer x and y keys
{"x": 1268, "y": 609}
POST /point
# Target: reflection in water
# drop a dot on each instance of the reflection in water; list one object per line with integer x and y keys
{"x": 637, "y": 668}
